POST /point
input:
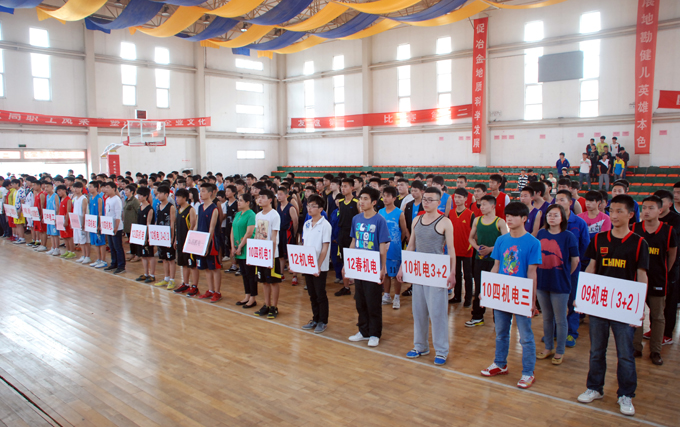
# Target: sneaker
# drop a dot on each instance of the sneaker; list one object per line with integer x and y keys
{"x": 407, "y": 292}
{"x": 110, "y": 268}
{"x": 64, "y": 254}
{"x": 216, "y": 296}
{"x": 207, "y": 295}
{"x": 474, "y": 322}
{"x": 57, "y": 252}
{"x": 273, "y": 312}
{"x": 439, "y": 360}
{"x": 386, "y": 299}
{"x": 647, "y": 335}
{"x": 86, "y": 260}
{"x": 20, "y": 241}
{"x": 373, "y": 341}
{"x": 150, "y": 279}
{"x": 193, "y": 291}
{"x": 119, "y": 271}
{"x": 358, "y": 337}
{"x": 262, "y": 312}
{"x": 41, "y": 248}
{"x": 467, "y": 304}
{"x": 141, "y": 278}
{"x": 233, "y": 268}
{"x": 93, "y": 264}
{"x": 309, "y": 326}
{"x": 238, "y": 273}
{"x": 343, "y": 291}
{"x": 414, "y": 354}
{"x": 667, "y": 341}
{"x": 396, "y": 304}
{"x": 337, "y": 281}
{"x": 589, "y": 395}
{"x": 283, "y": 278}
{"x": 526, "y": 381}
{"x": 637, "y": 354}
{"x": 80, "y": 260}
{"x": 295, "y": 281}
{"x": 571, "y": 341}
{"x": 626, "y": 405}
{"x": 494, "y": 370}
{"x": 162, "y": 283}
{"x": 656, "y": 359}
{"x": 183, "y": 288}
{"x": 171, "y": 285}
{"x": 50, "y": 252}
{"x": 70, "y": 255}
{"x": 101, "y": 264}
{"x": 225, "y": 258}
{"x": 320, "y": 328}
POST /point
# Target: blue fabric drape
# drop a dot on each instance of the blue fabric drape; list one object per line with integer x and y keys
{"x": 439, "y": 9}
{"x": 181, "y": 2}
{"x": 282, "y": 12}
{"x": 216, "y": 28}
{"x": 354, "y": 25}
{"x": 287, "y": 39}
{"x": 20, "y": 4}
{"x": 7, "y": 10}
{"x": 240, "y": 51}
{"x": 137, "y": 12}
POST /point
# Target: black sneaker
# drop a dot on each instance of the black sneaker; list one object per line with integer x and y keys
{"x": 407, "y": 292}
{"x": 343, "y": 291}
{"x": 150, "y": 279}
{"x": 262, "y": 312}
{"x": 273, "y": 312}
{"x": 119, "y": 271}
{"x": 454, "y": 301}
{"x": 141, "y": 278}
{"x": 182, "y": 289}
{"x": 111, "y": 268}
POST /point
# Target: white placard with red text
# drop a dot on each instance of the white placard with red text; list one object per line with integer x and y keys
{"x": 106, "y": 225}
{"x": 159, "y": 235}
{"x": 91, "y": 223}
{"x": 60, "y": 223}
{"x": 196, "y": 243}
{"x": 49, "y": 216}
{"x": 35, "y": 213}
{"x": 362, "y": 264}
{"x": 138, "y": 234}
{"x": 10, "y": 211}
{"x": 302, "y": 259}
{"x": 260, "y": 253}
{"x": 26, "y": 209}
{"x": 74, "y": 219}
{"x": 425, "y": 269}
{"x": 609, "y": 298}
{"x": 507, "y": 293}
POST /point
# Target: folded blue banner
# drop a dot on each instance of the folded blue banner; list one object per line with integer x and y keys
{"x": 137, "y": 12}
{"x": 287, "y": 39}
{"x": 354, "y": 25}
{"x": 282, "y": 12}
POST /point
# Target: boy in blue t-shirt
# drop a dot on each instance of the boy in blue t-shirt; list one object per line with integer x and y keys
{"x": 396, "y": 224}
{"x": 517, "y": 253}
{"x": 369, "y": 232}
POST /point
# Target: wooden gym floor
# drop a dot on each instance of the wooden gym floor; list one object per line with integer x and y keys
{"x": 81, "y": 347}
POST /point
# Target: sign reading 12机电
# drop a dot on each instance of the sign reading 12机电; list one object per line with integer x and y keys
{"x": 302, "y": 259}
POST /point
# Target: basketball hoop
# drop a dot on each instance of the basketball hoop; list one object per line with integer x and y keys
{"x": 143, "y": 133}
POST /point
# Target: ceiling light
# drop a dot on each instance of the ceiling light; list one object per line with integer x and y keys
{"x": 245, "y": 27}
{"x": 118, "y": 3}
{"x": 166, "y": 11}
{"x": 206, "y": 19}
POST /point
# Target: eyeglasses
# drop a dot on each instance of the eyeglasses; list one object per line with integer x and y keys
{"x": 428, "y": 200}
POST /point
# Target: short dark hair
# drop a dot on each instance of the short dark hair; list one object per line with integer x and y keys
{"x": 76, "y": 184}
{"x": 626, "y": 200}
{"x": 564, "y": 193}
{"x": 605, "y": 195}
{"x": 419, "y": 176}
{"x": 315, "y": 198}
{"x": 621, "y": 183}
{"x": 404, "y": 180}
{"x": 164, "y": 189}
{"x": 210, "y": 187}
{"x": 594, "y": 196}
{"x": 144, "y": 191}
{"x": 664, "y": 194}
{"x": 418, "y": 185}
{"x": 109, "y": 184}
{"x": 489, "y": 198}
{"x": 496, "y": 178}
{"x": 433, "y": 190}
{"x": 481, "y": 187}
{"x": 539, "y": 187}
{"x": 59, "y": 187}
{"x": 516, "y": 209}
{"x": 371, "y": 192}
{"x": 529, "y": 190}
{"x": 438, "y": 180}
{"x": 461, "y": 192}
{"x": 268, "y": 194}
{"x": 392, "y": 191}
{"x": 232, "y": 188}
{"x": 247, "y": 197}
{"x": 655, "y": 199}
{"x": 182, "y": 192}
{"x": 563, "y": 213}
{"x": 328, "y": 176}
{"x": 349, "y": 181}
{"x": 564, "y": 181}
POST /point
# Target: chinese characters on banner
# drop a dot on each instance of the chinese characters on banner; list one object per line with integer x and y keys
{"x": 60, "y": 223}
{"x": 26, "y": 209}
{"x": 609, "y": 298}
{"x": 41, "y": 119}
{"x": 645, "y": 57}
{"x": 49, "y": 217}
{"x": 425, "y": 269}
{"x": 302, "y": 259}
{"x": 196, "y": 243}
{"x": 362, "y": 264}
{"x": 35, "y": 213}
{"x": 138, "y": 234}
{"x": 114, "y": 164}
{"x": 11, "y": 211}
{"x": 480, "y": 27}
{"x": 106, "y": 225}
{"x": 669, "y": 99}
{"x": 159, "y": 235}
{"x": 90, "y": 223}
{"x": 260, "y": 253}
{"x": 507, "y": 293}
{"x": 74, "y": 219}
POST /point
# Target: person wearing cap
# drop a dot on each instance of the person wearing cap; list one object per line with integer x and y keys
{"x": 614, "y": 147}
{"x": 602, "y": 144}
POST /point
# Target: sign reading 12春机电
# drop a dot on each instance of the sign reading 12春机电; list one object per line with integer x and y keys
{"x": 362, "y": 264}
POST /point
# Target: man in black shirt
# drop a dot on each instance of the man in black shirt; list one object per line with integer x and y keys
{"x": 671, "y": 218}
{"x": 662, "y": 242}
{"x": 348, "y": 207}
{"x": 620, "y": 254}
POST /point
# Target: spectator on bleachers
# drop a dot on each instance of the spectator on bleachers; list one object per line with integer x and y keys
{"x": 602, "y": 145}
{"x": 532, "y": 176}
{"x": 626, "y": 158}
{"x": 504, "y": 180}
{"x": 562, "y": 163}
{"x": 584, "y": 170}
{"x": 542, "y": 177}
{"x": 619, "y": 164}
{"x": 605, "y": 167}
{"x": 552, "y": 180}
{"x": 591, "y": 147}
{"x": 522, "y": 180}
{"x": 614, "y": 147}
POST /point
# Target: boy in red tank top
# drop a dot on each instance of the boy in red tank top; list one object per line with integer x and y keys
{"x": 462, "y": 219}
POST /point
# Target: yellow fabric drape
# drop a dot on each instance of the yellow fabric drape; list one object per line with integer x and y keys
{"x": 300, "y": 46}
{"x": 381, "y": 26}
{"x": 381, "y": 6}
{"x": 234, "y": 8}
{"x": 255, "y": 32}
{"x": 323, "y": 17}
{"x": 183, "y": 17}
{"x": 265, "y": 54}
{"x": 73, "y": 10}
{"x": 463, "y": 13}
{"x": 523, "y": 6}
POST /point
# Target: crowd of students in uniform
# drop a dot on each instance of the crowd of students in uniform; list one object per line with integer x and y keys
{"x": 546, "y": 235}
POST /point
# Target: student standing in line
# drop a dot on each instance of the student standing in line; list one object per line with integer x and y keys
{"x": 267, "y": 227}
{"x": 668, "y": 216}
{"x": 166, "y": 216}
{"x": 185, "y": 221}
{"x": 114, "y": 210}
{"x": 502, "y": 199}
{"x": 396, "y": 224}
{"x": 208, "y": 222}
{"x": 596, "y": 221}
{"x": 65, "y": 207}
{"x": 130, "y": 210}
{"x": 289, "y": 223}
{"x": 348, "y": 207}
{"x": 97, "y": 240}
{"x": 243, "y": 228}
{"x": 461, "y": 220}
{"x": 145, "y": 217}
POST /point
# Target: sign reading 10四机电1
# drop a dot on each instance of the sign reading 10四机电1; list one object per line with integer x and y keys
{"x": 260, "y": 253}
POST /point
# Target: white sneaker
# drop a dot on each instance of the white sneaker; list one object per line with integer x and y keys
{"x": 590, "y": 395}
{"x": 79, "y": 260}
{"x": 396, "y": 304}
{"x": 386, "y": 299}
{"x": 101, "y": 264}
{"x": 50, "y": 252}
{"x": 20, "y": 241}
{"x": 86, "y": 260}
{"x": 358, "y": 337}
{"x": 373, "y": 341}
{"x": 94, "y": 264}
{"x": 41, "y": 248}
{"x": 626, "y": 405}
{"x": 56, "y": 252}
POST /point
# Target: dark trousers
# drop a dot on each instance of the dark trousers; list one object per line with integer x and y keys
{"x": 368, "y": 297}
{"x": 336, "y": 260}
{"x": 316, "y": 287}
{"x": 226, "y": 232}
{"x": 249, "y": 277}
{"x": 479, "y": 265}
{"x": 117, "y": 252}
{"x": 133, "y": 247}
{"x": 6, "y": 231}
{"x": 625, "y": 369}
{"x": 672, "y": 299}
{"x": 463, "y": 270}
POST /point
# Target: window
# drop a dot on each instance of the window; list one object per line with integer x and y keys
{"x": 533, "y": 31}
{"x": 250, "y": 109}
{"x": 128, "y": 74}
{"x": 444, "y": 92}
{"x": 339, "y": 98}
{"x": 128, "y": 51}
{"x": 309, "y": 103}
{"x": 589, "y": 93}
{"x": 533, "y": 90}
{"x": 404, "y": 94}
{"x": 590, "y": 23}
{"x": 249, "y": 65}
{"x": 249, "y": 154}
{"x": 40, "y": 70}
{"x": 443, "y": 45}
{"x": 338, "y": 62}
{"x": 403, "y": 52}
{"x": 162, "y": 56}
{"x": 249, "y": 130}
{"x": 38, "y": 37}
{"x": 250, "y": 87}
{"x": 308, "y": 68}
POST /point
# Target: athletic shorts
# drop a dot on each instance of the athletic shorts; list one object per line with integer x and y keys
{"x": 20, "y": 221}
{"x": 185, "y": 260}
{"x": 166, "y": 254}
{"x": 209, "y": 262}
{"x": 10, "y": 222}
{"x": 393, "y": 267}
{"x": 66, "y": 234}
{"x": 52, "y": 230}
{"x": 81, "y": 237}
{"x": 95, "y": 239}
{"x": 39, "y": 227}
{"x": 283, "y": 249}
{"x": 145, "y": 251}
{"x": 270, "y": 275}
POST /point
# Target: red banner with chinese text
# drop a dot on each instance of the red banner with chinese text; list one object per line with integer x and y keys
{"x": 669, "y": 99}
{"x": 41, "y": 119}
{"x": 479, "y": 55}
{"x": 114, "y": 164}
{"x": 382, "y": 119}
{"x": 645, "y": 58}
